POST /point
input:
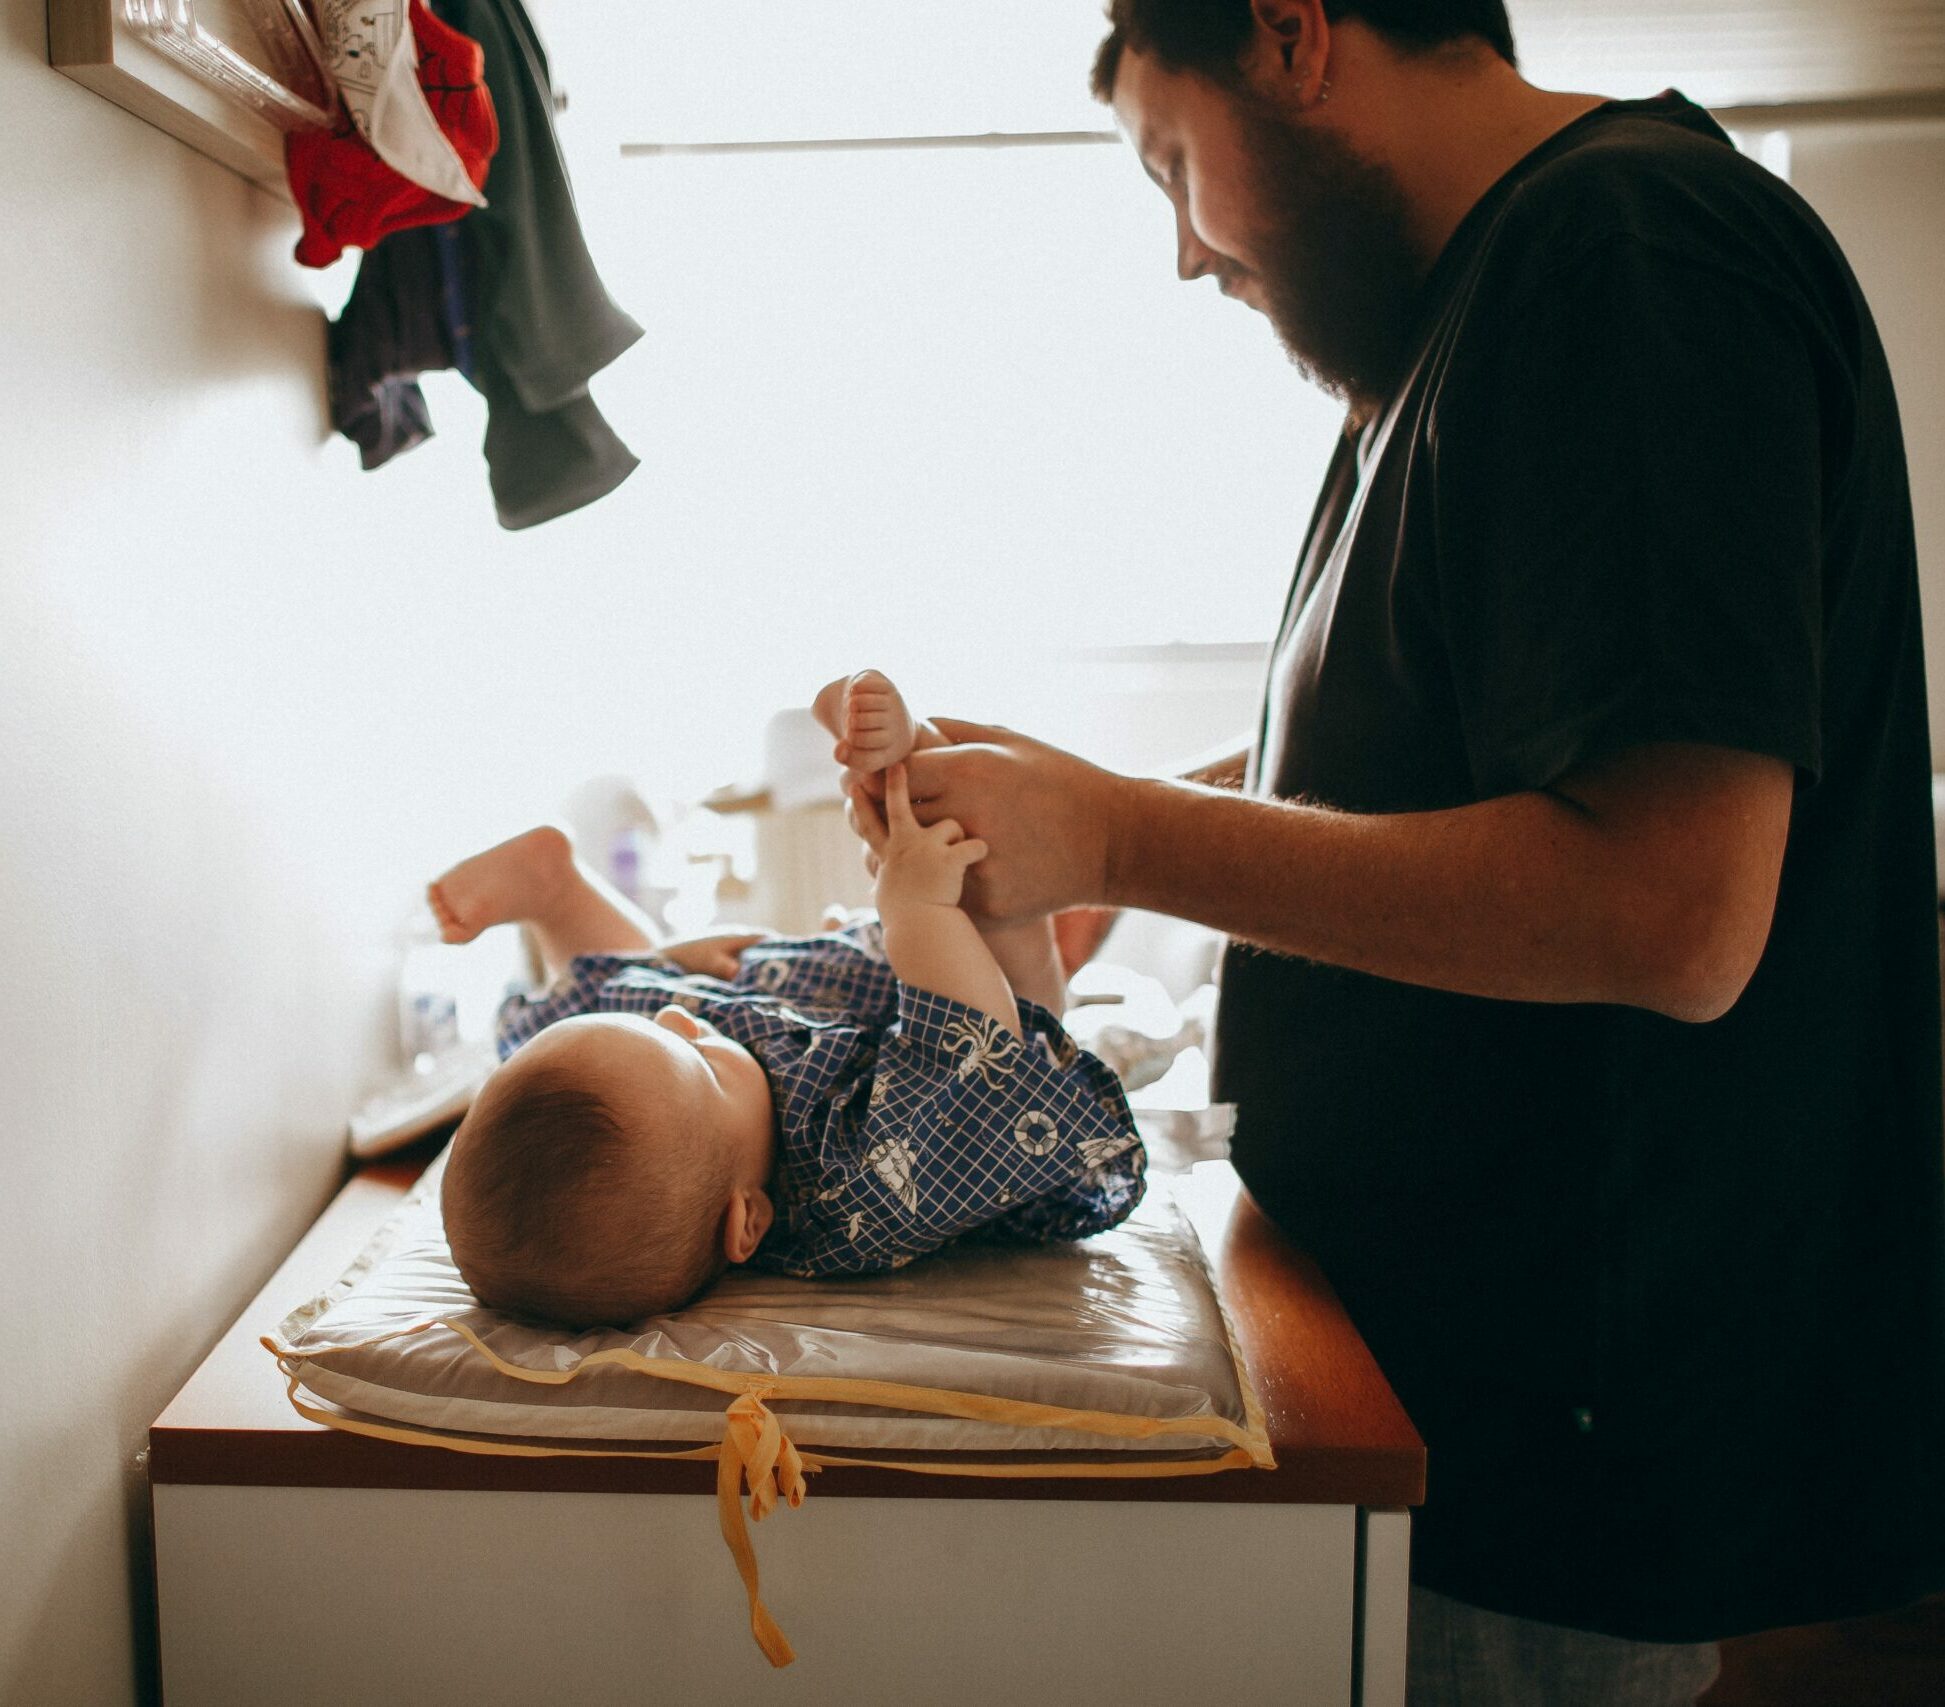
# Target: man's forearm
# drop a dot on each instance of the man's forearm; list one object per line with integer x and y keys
{"x": 1526, "y": 897}
{"x": 1646, "y": 876}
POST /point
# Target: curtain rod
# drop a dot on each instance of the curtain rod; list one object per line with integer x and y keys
{"x": 861, "y": 144}
{"x": 1782, "y": 115}
{"x": 1778, "y": 115}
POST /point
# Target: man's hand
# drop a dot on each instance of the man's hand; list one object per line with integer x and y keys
{"x": 1048, "y": 819}
{"x": 917, "y": 864}
{"x": 719, "y": 956}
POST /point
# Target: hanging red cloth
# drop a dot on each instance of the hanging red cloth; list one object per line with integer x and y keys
{"x": 348, "y": 197}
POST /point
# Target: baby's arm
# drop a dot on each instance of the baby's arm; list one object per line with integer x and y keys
{"x": 874, "y": 729}
{"x": 929, "y": 940}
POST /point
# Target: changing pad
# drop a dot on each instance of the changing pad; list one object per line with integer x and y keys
{"x": 1109, "y": 1357}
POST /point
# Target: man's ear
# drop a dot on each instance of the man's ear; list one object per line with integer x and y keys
{"x": 1294, "y": 33}
{"x": 745, "y": 1221}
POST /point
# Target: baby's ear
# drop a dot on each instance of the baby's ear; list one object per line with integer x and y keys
{"x": 745, "y": 1221}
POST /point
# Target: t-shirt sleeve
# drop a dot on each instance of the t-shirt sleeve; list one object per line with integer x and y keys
{"x": 966, "y": 1127}
{"x": 1628, "y": 504}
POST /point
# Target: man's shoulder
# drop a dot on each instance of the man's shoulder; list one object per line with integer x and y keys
{"x": 1660, "y": 177}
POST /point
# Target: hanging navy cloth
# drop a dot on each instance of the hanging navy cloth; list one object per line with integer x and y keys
{"x": 394, "y": 328}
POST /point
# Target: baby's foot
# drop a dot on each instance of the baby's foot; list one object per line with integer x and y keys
{"x": 878, "y": 730}
{"x": 515, "y": 880}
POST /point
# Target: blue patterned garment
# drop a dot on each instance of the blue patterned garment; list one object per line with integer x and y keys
{"x": 904, "y": 1119}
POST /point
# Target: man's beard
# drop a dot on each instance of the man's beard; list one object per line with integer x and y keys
{"x": 1339, "y": 274}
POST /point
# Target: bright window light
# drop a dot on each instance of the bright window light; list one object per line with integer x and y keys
{"x": 946, "y": 411}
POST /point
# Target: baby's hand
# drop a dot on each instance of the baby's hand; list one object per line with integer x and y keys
{"x": 917, "y": 865}
{"x": 720, "y": 956}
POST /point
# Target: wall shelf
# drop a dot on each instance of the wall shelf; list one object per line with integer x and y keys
{"x": 228, "y": 77}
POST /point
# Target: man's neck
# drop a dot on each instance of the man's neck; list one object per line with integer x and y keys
{"x": 1451, "y": 127}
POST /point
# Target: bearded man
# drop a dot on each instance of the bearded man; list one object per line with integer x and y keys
{"x": 1581, "y": 1010}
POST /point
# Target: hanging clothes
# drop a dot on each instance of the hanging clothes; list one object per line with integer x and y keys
{"x": 543, "y": 322}
{"x": 541, "y": 306}
{"x": 508, "y": 295}
{"x": 398, "y": 324}
{"x": 423, "y": 164}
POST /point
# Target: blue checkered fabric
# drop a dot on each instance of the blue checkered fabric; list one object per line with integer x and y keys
{"x": 904, "y": 1119}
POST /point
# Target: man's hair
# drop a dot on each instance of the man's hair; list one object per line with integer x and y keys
{"x": 555, "y": 1209}
{"x": 1208, "y": 36}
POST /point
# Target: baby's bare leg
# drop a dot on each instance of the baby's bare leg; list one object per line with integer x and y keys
{"x": 535, "y": 880}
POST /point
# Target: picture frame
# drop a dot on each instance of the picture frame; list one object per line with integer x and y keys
{"x": 227, "y": 77}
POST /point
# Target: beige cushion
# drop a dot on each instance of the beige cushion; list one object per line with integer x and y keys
{"x": 1126, "y": 1323}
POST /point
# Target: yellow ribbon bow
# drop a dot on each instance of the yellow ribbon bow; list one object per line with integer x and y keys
{"x": 758, "y": 1454}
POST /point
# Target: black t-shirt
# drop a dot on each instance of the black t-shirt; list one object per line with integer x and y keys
{"x": 1666, "y": 1301}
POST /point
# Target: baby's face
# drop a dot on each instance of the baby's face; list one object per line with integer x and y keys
{"x": 670, "y": 1063}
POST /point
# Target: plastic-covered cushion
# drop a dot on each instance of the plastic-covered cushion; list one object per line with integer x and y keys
{"x": 1127, "y": 1323}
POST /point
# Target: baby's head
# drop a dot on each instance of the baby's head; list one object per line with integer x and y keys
{"x": 611, "y": 1168}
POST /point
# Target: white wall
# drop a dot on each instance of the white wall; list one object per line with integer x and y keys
{"x": 249, "y": 697}
{"x": 1881, "y": 190}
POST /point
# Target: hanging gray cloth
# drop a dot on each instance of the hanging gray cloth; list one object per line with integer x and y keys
{"x": 542, "y": 321}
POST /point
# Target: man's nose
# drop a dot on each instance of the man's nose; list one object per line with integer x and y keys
{"x": 1194, "y": 259}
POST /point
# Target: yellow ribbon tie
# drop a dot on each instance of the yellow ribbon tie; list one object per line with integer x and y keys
{"x": 758, "y": 1454}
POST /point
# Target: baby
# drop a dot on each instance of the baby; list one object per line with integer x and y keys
{"x": 836, "y": 1104}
